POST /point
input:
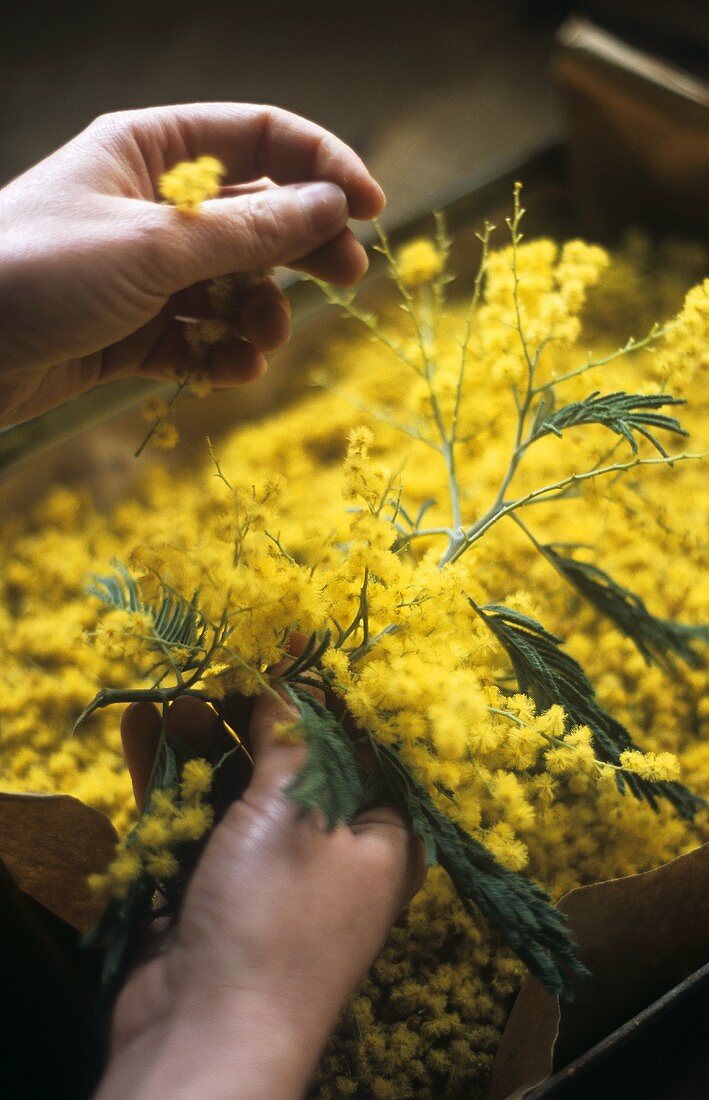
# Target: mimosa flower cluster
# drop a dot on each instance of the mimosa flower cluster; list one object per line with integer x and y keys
{"x": 169, "y": 822}
{"x": 431, "y": 475}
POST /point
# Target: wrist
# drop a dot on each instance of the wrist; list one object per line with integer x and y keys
{"x": 217, "y": 1047}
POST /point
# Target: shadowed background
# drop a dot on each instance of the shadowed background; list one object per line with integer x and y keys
{"x": 435, "y": 96}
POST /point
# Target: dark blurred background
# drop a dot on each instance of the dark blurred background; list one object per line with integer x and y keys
{"x": 436, "y": 96}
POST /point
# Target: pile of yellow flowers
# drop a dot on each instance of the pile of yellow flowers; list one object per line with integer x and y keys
{"x": 394, "y": 503}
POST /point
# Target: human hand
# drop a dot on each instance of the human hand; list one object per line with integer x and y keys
{"x": 94, "y": 269}
{"x": 280, "y": 923}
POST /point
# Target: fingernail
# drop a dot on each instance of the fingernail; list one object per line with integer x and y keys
{"x": 325, "y": 204}
{"x": 382, "y": 196}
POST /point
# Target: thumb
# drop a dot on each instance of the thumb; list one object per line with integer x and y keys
{"x": 252, "y": 232}
{"x": 275, "y": 760}
{"x": 270, "y": 712}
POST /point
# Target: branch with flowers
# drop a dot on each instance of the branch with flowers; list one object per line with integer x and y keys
{"x": 404, "y": 637}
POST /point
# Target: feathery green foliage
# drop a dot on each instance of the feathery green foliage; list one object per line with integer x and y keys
{"x": 119, "y": 931}
{"x": 622, "y": 413}
{"x": 330, "y": 780}
{"x": 551, "y": 676}
{"x": 518, "y": 909}
{"x": 176, "y": 621}
{"x": 657, "y": 639}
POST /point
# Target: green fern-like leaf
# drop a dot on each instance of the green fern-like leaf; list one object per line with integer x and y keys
{"x": 518, "y": 909}
{"x": 551, "y": 676}
{"x": 176, "y": 622}
{"x": 330, "y": 780}
{"x": 120, "y": 931}
{"x": 657, "y": 639}
{"x": 622, "y": 413}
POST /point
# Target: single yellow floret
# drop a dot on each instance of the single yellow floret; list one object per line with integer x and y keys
{"x": 337, "y": 664}
{"x": 207, "y": 334}
{"x": 165, "y": 436}
{"x": 123, "y": 871}
{"x": 162, "y": 865}
{"x": 153, "y": 832}
{"x": 200, "y": 386}
{"x": 551, "y": 722}
{"x": 196, "y": 778}
{"x": 191, "y": 182}
{"x": 419, "y": 262}
{"x": 192, "y": 821}
{"x": 162, "y": 802}
{"x": 100, "y": 885}
{"x": 154, "y": 409}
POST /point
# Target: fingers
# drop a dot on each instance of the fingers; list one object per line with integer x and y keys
{"x": 190, "y": 720}
{"x": 253, "y": 141}
{"x": 258, "y": 312}
{"x": 250, "y": 232}
{"x": 140, "y": 734}
{"x": 385, "y": 846}
{"x": 264, "y": 317}
{"x": 233, "y": 190}
{"x": 255, "y": 224}
{"x": 342, "y": 261}
{"x": 275, "y": 760}
{"x": 259, "y": 322}
{"x": 233, "y": 362}
{"x": 387, "y": 840}
{"x": 194, "y": 723}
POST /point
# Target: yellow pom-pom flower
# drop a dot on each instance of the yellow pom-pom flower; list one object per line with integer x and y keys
{"x": 196, "y": 778}
{"x": 200, "y": 386}
{"x": 165, "y": 436}
{"x": 192, "y": 821}
{"x": 419, "y": 262}
{"x": 162, "y": 865}
{"x": 154, "y": 409}
{"x": 191, "y": 182}
{"x": 153, "y": 832}
{"x": 123, "y": 871}
{"x": 655, "y": 766}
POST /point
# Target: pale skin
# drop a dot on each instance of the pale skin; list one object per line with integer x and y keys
{"x": 93, "y": 270}
{"x": 281, "y": 920}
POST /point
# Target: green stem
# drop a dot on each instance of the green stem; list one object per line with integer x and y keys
{"x": 180, "y": 387}
{"x": 655, "y": 333}
{"x": 453, "y": 491}
{"x": 484, "y": 239}
{"x": 497, "y": 512}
